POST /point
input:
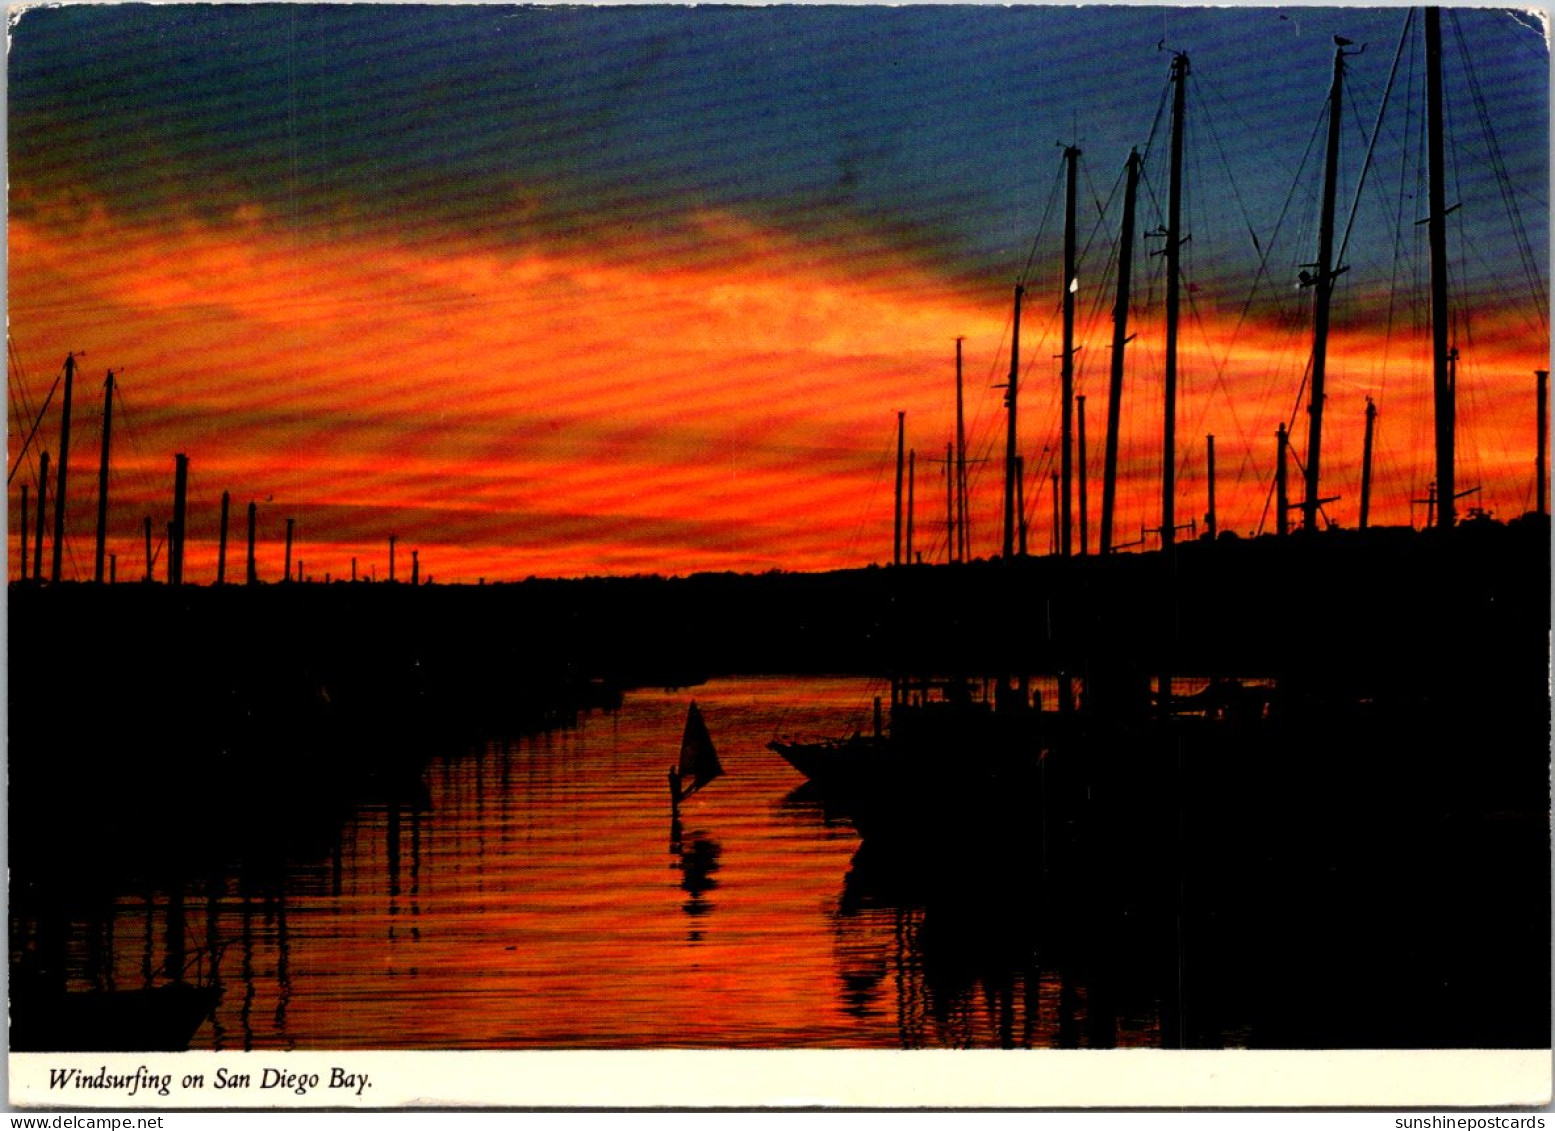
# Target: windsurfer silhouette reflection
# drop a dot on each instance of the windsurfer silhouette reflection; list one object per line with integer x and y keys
{"x": 697, "y": 861}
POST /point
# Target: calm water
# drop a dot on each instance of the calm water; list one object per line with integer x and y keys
{"x": 536, "y": 895}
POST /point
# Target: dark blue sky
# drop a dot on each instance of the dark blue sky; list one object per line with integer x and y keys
{"x": 662, "y": 269}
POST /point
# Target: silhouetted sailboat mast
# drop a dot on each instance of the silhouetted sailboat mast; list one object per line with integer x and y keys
{"x": 1542, "y": 416}
{"x": 102, "y": 479}
{"x": 1011, "y": 392}
{"x": 1120, "y": 339}
{"x": 1174, "y": 241}
{"x": 1323, "y": 285}
{"x": 64, "y": 464}
{"x": 901, "y": 439}
{"x": 1437, "y": 233}
{"x": 1371, "y": 427}
{"x": 963, "y": 536}
{"x": 1066, "y": 361}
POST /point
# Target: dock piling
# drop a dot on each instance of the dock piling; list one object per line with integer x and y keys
{"x": 43, "y": 492}
{"x": 253, "y": 522}
{"x": 221, "y": 546}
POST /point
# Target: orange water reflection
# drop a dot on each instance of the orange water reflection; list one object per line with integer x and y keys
{"x": 536, "y": 894}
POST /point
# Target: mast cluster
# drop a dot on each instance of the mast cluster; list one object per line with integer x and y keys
{"x": 1319, "y": 276}
{"x": 177, "y": 528}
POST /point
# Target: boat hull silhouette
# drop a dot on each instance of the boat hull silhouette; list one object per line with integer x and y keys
{"x": 154, "y": 1019}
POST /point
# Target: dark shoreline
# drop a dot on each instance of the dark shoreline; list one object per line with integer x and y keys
{"x": 160, "y": 735}
{"x": 247, "y": 687}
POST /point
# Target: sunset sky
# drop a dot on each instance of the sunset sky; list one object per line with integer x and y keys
{"x": 615, "y": 290}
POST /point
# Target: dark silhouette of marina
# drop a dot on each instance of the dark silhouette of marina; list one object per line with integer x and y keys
{"x": 1393, "y": 775}
{"x": 1287, "y": 791}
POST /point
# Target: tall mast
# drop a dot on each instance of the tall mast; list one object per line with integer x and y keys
{"x": 1281, "y": 494}
{"x": 1371, "y": 426}
{"x": 1429, "y": 502}
{"x": 1066, "y": 363}
{"x": 1437, "y": 230}
{"x": 1209, "y": 516}
{"x": 221, "y": 547}
{"x": 64, "y": 463}
{"x": 1057, "y": 517}
{"x": 901, "y": 433}
{"x": 1020, "y": 500}
{"x": 175, "y": 561}
{"x": 1323, "y": 285}
{"x": 1119, "y": 340}
{"x": 1085, "y": 524}
{"x": 912, "y": 483}
{"x": 950, "y": 502}
{"x": 1173, "y": 247}
{"x": 102, "y": 478}
{"x": 1010, "y": 394}
{"x": 43, "y": 499}
{"x": 964, "y": 539}
{"x": 22, "y": 573}
{"x": 253, "y": 522}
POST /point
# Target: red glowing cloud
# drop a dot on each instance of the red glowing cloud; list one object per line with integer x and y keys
{"x": 626, "y": 405}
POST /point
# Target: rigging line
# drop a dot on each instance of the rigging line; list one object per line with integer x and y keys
{"x": 1209, "y": 124}
{"x": 1220, "y": 383}
{"x": 1376, "y": 134}
{"x": 1293, "y": 328}
{"x": 990, "y": 381}
{"x": 1400, "y": 228}
{"x": 1503, "y": 179}
{"x": 1101, "y": 210}
{"x": 879, "y": 464}
{"x": 19, "y": 399}
{"x": 41, "y": 413}
{"x": 1498, "y": 290}
{"x": 21, "y": 375}
{"x": 1091, "y": 314}
{"x": 1090, "y": 184}
{"x": 1301, "y": 473}
{"x": 145, "y": 484}
{"x": 1033, "y": 507}
{"x": 1263, "y": 259}
{"x": 1461, "y": 312}
{"x": 1492, "y": 143}
{"x": 1104, "y": 293}
{"x": 1144, "y": 157}
{"x": 131, "y": 433}
{"x": 1042, "y": 227}
{"x": 975, "y": 425}
{"x": 1099, "y": 229}
{"x": 1155, "y": 123}
{"x": 75, "y": 565}
{"x": 1201, "y": 79}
